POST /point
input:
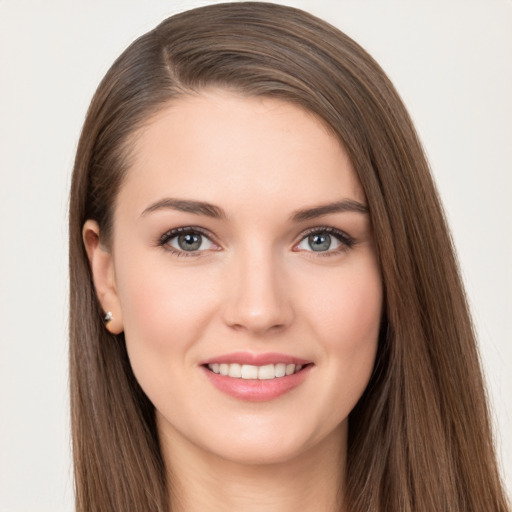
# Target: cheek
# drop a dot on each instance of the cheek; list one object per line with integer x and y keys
{"x": 160, "y": 303}
{"x": 348, "y": 321}
{"x": 349, "y": 312}
{"x": 165, "y": 312}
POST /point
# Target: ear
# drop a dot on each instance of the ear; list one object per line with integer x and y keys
{"x": 102, "y": 268}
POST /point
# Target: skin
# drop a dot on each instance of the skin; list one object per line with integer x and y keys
{"x": 254, "y": 286}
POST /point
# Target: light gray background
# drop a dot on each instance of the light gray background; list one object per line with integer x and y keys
{"x": 450, "y": 60}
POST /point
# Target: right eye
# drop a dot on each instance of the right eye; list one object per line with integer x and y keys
{"x": 186, "y": 242}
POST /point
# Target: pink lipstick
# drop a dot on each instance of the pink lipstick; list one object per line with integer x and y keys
{"x": 256, "y": 377}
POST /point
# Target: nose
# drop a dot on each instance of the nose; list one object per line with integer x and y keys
{"x": 259, "y": 300}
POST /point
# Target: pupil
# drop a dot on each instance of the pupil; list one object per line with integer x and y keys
{"x": 319, "y": 242}
{"x": 189, "y": 241}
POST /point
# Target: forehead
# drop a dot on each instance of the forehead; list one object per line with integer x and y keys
{"x": 221, "y": 147}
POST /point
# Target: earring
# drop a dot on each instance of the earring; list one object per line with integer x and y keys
{"x": 108, "y": 317}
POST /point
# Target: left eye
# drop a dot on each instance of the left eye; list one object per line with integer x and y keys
{"x": 320, "y": 242}
{"x": 190, "y": 241}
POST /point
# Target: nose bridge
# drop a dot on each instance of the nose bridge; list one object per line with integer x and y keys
{"x": 258, "y": 300}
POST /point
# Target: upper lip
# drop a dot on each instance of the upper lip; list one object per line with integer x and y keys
{"x": 255, "y": 359}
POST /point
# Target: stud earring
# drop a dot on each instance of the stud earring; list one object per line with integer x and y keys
{"x": 108, "y": 317}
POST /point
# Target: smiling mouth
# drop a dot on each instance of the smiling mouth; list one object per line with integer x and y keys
{"x": 249, "y": 371}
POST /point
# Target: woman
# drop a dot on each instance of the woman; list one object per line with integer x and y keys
{"x": 265, "y": 307}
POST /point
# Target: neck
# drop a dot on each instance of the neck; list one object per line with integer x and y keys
{"x": 309, "y": 482}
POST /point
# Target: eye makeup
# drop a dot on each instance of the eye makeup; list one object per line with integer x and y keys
{"x": 194, "y": 241}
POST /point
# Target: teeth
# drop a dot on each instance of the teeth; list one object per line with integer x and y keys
{"x": 249, "y": 371}
{"x": 280, "y": 370}
{"x": 267, "y": 372}
{"x": 235, "y": 370}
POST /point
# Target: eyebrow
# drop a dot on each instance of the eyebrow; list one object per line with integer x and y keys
{"x": 210, "y": 210}
{"x": 188, "y": 206}
{"x": 346, "y": 205}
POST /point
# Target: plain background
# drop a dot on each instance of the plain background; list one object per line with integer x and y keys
{"x": 452, "y": 63}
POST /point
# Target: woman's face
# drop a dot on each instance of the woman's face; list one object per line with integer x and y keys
{"x": 242, "y": 245}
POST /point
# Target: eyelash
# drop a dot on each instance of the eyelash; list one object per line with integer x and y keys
{"x": 347, "y": 242}
{"x": 173, "y": 233}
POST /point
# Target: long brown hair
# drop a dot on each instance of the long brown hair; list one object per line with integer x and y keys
{"x": 420, "y": 437}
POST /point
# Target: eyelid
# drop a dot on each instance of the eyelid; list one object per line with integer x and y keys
{"x": 174, "y": 232}
{"x": 171, "y": 233}
{"x": 345, "y": 239}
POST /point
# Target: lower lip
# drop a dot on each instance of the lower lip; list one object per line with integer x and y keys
{"x": 256, "y": 390}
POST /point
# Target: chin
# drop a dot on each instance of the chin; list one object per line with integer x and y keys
{"x": 260, "y": 454}
{"x": 277, "y": 447}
